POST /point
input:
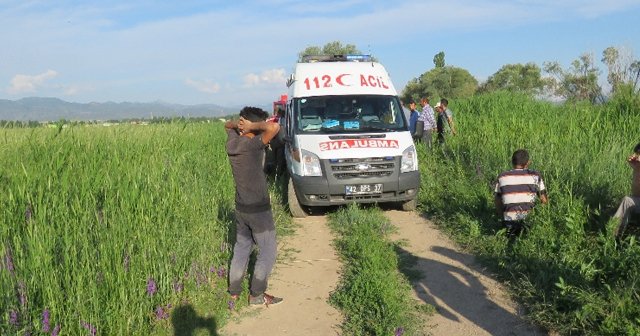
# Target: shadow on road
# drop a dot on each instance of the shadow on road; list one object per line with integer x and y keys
{"x": 455, "y": 292}
{"x": 186, "y": 321}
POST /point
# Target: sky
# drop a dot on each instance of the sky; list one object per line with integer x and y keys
{"x": 236, "y": 53}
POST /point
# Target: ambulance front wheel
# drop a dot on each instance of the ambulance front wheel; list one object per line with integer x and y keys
{"x": 296, "y": 209}
{"x": 409, "y": 205}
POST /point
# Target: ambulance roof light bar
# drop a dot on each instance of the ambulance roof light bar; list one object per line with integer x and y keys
{"x": 336, "y": 58}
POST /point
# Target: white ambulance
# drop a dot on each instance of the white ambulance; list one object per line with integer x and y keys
{"x": 346, "y": 136}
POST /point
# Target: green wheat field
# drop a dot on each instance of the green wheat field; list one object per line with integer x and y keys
{"x": 128, "y": 229}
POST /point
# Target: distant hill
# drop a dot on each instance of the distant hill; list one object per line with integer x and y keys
{"x": 52, "y": 109}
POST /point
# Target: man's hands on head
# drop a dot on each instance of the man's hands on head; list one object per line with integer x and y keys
{"x": 244, "y": 125}
{"x": 268, "y": 130}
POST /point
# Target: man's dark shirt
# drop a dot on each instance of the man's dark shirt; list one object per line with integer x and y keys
{"x": 246, "y": 156}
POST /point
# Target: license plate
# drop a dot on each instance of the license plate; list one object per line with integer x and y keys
{"x": 360, "y": 189}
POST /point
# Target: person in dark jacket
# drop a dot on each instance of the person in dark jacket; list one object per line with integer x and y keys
{"x": 246, "y": 141}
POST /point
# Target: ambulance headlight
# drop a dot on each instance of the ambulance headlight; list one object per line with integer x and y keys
{"x": 310, "y": 164}
{"x": 409, "y": 160}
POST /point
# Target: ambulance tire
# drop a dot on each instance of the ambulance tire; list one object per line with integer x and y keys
{"x": 296, "y": 209}
{"x": 409, "y": 205}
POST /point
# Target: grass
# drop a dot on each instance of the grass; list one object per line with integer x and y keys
{"x": 568, "y": 270}
{"x": 373, "y": 295}
{"x": 128, "y": 229}
{"x": 116, "y": 230}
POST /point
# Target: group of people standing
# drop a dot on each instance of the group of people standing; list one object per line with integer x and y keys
{"x": 438, "y": 119}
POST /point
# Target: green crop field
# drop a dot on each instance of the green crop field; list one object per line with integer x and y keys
{"x": 127, "y": 229}
{"x": 114, "y": 230}
{"x": 568, "y": 270}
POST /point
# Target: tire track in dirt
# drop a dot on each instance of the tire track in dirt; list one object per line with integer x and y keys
{"x": 305, "y": 275}
{"x": 467, "y": 300}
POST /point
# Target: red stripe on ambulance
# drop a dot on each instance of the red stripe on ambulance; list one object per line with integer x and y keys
{"x": 366, "y": 143}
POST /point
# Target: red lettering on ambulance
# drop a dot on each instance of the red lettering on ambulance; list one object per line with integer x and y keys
{"x": 372, "y": 81}
{"x": 384, "y": 85}
{"x": 363, "y": 81}
{"x": 349, "y": 144}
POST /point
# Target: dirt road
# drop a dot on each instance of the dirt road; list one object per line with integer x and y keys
{"x": 305, "y": 277}
{"x": 467, "y": 300}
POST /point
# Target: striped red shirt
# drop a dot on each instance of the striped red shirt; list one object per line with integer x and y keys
{"x": 518, "y": 189}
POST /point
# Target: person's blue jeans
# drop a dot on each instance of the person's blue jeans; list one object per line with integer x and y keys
{"x": 258, "y": 228}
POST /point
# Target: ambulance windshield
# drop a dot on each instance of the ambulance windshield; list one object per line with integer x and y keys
{"x": 349, "y": 114}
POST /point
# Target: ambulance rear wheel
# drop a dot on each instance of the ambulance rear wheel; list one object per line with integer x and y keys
{"x": 296, "y": 209}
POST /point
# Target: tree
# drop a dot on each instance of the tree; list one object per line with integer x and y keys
{"x": 578, "y": 83}
{"x": 623, "y": 75}
{"x": 622, "y": 68}
{"x": 441, "y": 81}
{"x": 449, "y": 81}
{"x": 525, "y": 78}
{"x": 438, "y": 60}
{"x": 331, "y": 48}
{"x": 611, "y": 57}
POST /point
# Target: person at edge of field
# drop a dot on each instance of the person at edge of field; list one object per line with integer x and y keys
{"x": 277, "y": 114}
{"x": 413, "y": 118}
{"x": 246, "y": 141}
{"x": 445, "y": 117}
{"x": 630, "y": 204}
{"x": 274, "y": 152}
{"x": 429, "y": 120}
{"x": 516, "y": 191}
{"x": 277, "y": 145}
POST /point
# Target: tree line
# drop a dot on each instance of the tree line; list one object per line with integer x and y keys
{"x": 577, "y": 83}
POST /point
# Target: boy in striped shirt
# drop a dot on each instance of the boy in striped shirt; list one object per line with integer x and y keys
{"x": 516, "y": 192}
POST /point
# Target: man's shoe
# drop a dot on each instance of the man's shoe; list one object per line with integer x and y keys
{"x": 264, "y": 299}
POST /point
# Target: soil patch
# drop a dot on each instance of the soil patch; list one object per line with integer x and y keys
{"x": 467, "y": 300}
{"x": 305, "y": 276}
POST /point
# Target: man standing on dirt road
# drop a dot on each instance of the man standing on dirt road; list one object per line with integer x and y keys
{"x": 516, "y": 192}
{"x": 246, "y": 141}
{"x": 630, "y": 204}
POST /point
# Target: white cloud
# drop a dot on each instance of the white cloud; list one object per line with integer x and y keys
{"x": 271, "y": 76}
{"x": 207, "y": 85}
{"x": 127, "y": 56}
{"x": 26, "y": 83}
{"x": 74, "y": 90}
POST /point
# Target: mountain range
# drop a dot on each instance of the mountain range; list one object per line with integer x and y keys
{"x": 53, "y": 109}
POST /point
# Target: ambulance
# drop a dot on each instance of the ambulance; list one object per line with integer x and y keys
{"x": 346, "y": 136}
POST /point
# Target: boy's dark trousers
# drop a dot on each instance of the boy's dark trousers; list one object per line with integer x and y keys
{"x": 514, "y": 228}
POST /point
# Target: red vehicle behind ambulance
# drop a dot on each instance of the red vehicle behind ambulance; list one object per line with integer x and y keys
{"x": 346, "y": 136}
